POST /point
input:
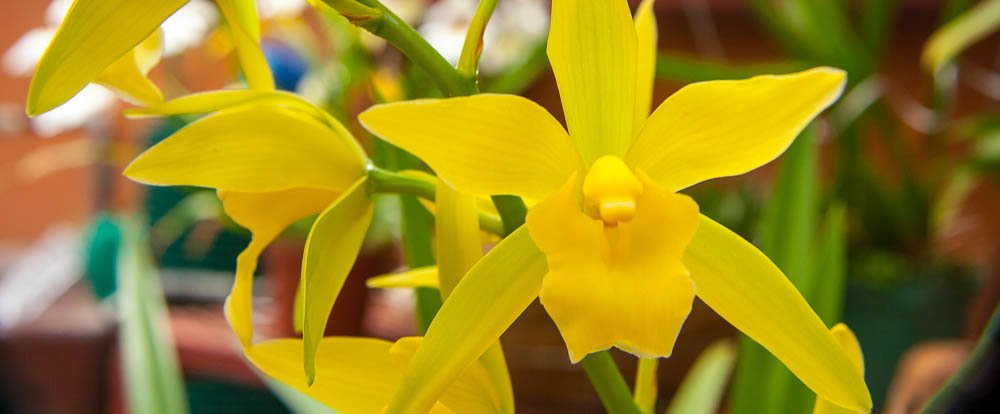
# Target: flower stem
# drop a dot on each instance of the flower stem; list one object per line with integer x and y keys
{"x": 512, "y": 211}
{"x": 645, "y": 385}
{"x": 609, "y": 383}
{"x": 385, "y": 181}
{"x": 377, "y": 19}
{"x": 468, "y": 62}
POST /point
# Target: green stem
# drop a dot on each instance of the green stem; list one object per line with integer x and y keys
{"x": 377, "y": 19}
{"x": 468, "y": 62}
{"x": 985, "y": 349}
{"x": 609, "y": 383}
{"x": 389, "y": 182}
{"x": 512, "y": 211}
{"x": 645, "y": 385}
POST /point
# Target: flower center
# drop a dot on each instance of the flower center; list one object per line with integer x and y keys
{"x": 611, "y": 189}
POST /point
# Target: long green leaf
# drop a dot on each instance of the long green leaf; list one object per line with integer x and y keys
{"x": 762, "y": 383}
{"x": 960, "y": 33}
{"x": 704, "y": 385}
{"x": 687, "y": 69}
{"x": 153, "y": 380}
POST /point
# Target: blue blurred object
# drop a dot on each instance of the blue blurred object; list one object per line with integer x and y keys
{"x": 287, "y": 65}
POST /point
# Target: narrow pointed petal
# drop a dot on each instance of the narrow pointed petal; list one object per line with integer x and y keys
{"x": 426, "y": 276}
{"x": 266, "y": 215}
{"x": 849, "y": 343}
{"x": 592, "y": 48}
{"x": 722, "y": 128}
{"x": 527, "y": 151}
{"x": 623, "y": 286}
{"x": 245, "y": 29}
{"x": 645, "y": 67}
{"x": 459, "y": 247}
{"x": 471, "y": 392}
{"x": 748, "y": 290}
{"x": 333, "y": 245}
{"x": 94, "y": 35}
{"x": 487, "y": 300}
{"x": 127, "y": 76}
{"x": 458, "y": 242}
{"x": 353, "y": 375}
{"x": 254, "y": 149}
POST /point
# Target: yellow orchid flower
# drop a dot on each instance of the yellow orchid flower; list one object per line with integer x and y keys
{"x": 614, "y": 253}
{"x": 116, "y": 42}
{"x": 849, "y": 343}
{"x": 273, "y": 159}
{"x": 358, "y": 375}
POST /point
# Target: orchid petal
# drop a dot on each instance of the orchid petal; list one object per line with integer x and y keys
{"x": 622, "y": 286}
{"x": 592, "y": 48}
{"x": 331, "y": 249}
{"x": 245, "y": 29}
{"x": 253, "y": 149}
{"x": 487, "y": 300}
{"x": 744, "y": 287}
{"x": 213, "y": 101}
{"x": 850, "y": 344}
{"x": 645, "y": 67}
{"x": 266, "y": 215}
{"x": 459, "y": 247}
{"x": 426, "y": 276}
{"x": 527, "y": 151}
{"x": 94, "y": 35}
{"x": 354, "y": 375}
{"x": 358, "y": 375}
{"x": 723, "y": 128}
{"x": 127, "y": 76}
{"x": 471, "y": 392}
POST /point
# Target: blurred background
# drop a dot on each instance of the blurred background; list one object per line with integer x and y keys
{"x": 883, "y": 213}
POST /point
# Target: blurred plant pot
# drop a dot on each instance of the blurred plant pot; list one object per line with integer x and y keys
{"x": 889, "y": 317}
{"x": 283, "y": 261}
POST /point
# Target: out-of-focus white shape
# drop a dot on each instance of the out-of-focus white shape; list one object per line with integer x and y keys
{"x": 408, "y": 10}
{"x": 91, "y": 107}
{"x": 188, "y": 27}
{"x": 56, "y": 12}
{"x": 276, "y": 9}
{"x": 516, "y": 27}
{"x": 40, "y": 276}
{"x": 21, "y": 58}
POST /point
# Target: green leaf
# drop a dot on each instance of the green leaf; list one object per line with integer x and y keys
{"x": 830, "y": 271}
{"x": 295, "y": 400}
{"x": 152, "y": 375}
{"x": 958, "y": 34}
{"x": 762, "y": 383}
{"x": 484, "y": 303}
{"x": 876, "y": 22}
{"x": 686, "y": 69}
{"x": 702, "y": 390}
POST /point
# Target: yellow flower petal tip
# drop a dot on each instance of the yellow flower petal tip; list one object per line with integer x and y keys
{"x": 620, "y": 284}
{"x": 849, "y": 343}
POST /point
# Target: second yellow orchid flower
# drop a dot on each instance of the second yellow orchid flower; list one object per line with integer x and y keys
{"x": 614, "y": 253}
